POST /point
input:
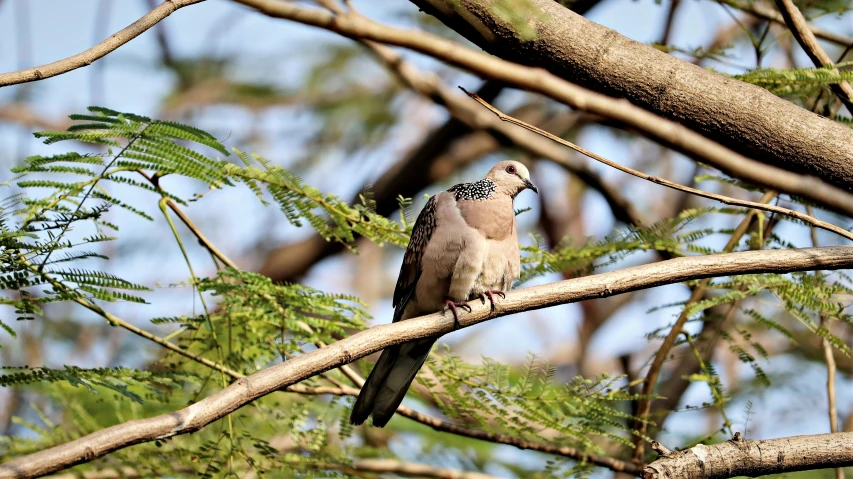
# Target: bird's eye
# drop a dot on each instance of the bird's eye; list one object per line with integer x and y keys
{"x": 510, "y": 169}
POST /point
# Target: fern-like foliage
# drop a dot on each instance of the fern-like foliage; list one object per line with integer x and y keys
{"x": 796, "y": 82}
{"x": 526, "y": 401}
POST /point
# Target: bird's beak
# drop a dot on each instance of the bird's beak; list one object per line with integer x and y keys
{"x": 531, "y": 186}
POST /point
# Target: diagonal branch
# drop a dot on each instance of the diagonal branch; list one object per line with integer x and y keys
{"x": 805, "y": 37}
{"x": 86, "y": 58}
{"x": 431, "y": 86}
{"x": 661, "y": 181}
{"x": 760, "y": 10}
{"x": 541, "y": 81}
{"x": 250, "y": 388}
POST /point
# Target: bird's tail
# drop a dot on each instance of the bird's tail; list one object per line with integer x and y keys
{"x": 387, "y": 384}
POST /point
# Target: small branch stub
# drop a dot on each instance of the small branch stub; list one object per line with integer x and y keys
{"x": 660, "y": 449}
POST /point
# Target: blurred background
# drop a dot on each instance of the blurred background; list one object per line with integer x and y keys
{"x": 326, "y": 109}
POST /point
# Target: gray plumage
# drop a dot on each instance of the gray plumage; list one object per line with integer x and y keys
{"x": 464, "y": 246}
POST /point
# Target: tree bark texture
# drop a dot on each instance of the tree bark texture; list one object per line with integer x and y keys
{"x": 739, "y": 457}
{"x": 740, "y": 116}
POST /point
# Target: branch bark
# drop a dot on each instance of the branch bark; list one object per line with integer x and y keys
{"x": 746, "y": 118}
{"x": 739, "y": 457}
{"x": 805, "y": 37}
{"x": 86, "y": 58}
{"x": 801, "y": 138}
{"x": 248, "y": 389}
{"x": 760, "y": 10}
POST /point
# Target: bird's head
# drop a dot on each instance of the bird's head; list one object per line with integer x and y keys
{"x": 511, "y": 177}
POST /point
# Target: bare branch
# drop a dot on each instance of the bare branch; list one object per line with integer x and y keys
{"x": 739, "y": 457}
{"x": 829, "y": 357}
{"x": 670, "y": 184}
{"x": 411, "y": 469}
{"x": 541, "y": 81}
{"x": 86, "y": 58}
{"x": 760, "y": 10}
{"x": 805, "y": 37}
{"x": 431, "y": 87}
{"x": 250, "y": 388}
{"x": 189, "y": 224}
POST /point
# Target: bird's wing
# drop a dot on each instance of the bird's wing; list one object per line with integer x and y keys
{"x": 411, "y": 268}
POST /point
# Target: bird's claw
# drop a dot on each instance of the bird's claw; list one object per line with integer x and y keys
{"x": 490, "y": 294}
{"x": 452, "y": 305}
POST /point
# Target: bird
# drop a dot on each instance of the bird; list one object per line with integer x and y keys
{"x": 464, "y": 246}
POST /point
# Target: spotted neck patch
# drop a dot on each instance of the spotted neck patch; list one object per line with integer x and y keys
{"x": 478, "y": 190}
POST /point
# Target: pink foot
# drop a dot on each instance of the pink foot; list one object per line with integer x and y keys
{"x": 452, "y": 305}
{"x": 490, "y": 294}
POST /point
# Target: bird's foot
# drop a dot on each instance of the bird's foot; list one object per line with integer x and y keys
{"x": 491, "y": 295}
{"x": 452, "y": 305}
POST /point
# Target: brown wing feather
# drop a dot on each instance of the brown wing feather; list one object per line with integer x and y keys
{"x": 410, "y": 270}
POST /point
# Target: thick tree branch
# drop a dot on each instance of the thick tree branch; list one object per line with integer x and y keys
{"x": 248, "y": 389}
{"x": 745, "y": 118}
{"x": 86, "y": 58}
{"x": 739, "y": 457}
{"x": 830, "y": 145}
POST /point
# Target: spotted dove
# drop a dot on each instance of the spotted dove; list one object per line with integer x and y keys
{"x": 464, "y": 246}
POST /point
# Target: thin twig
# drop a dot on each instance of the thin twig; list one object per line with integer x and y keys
{"x": 357, "y": 467}
{"x": 829, "y": 357}
{"x": 654, "y": 179}
{"x": 189, "y": 224}
{"x": 87, "y": 57}
{"x": 760, "y": 10}
{"x": 431, "y": 87}
{"x": 805, "y": 37}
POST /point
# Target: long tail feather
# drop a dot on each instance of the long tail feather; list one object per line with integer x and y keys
{"x": 366, "y": 398}
{"x": 406, "y": 366}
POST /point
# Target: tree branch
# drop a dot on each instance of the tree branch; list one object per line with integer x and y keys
{"x": 665, "y": 131}
{"x": 250, "y": 388}
{"x": 805, "y": 37}
{"x": 811, "y": 220}
{"x": 760, "y": 10}
{"x": 410, "y": 469}
{"x": 739, "y": 457}
{"x": 748, "y": 119}
{"x": 431, "y": 87}
{"x": 86, "y": 58}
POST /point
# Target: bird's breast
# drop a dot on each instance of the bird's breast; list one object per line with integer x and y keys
{"x": 493, "y": 218}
